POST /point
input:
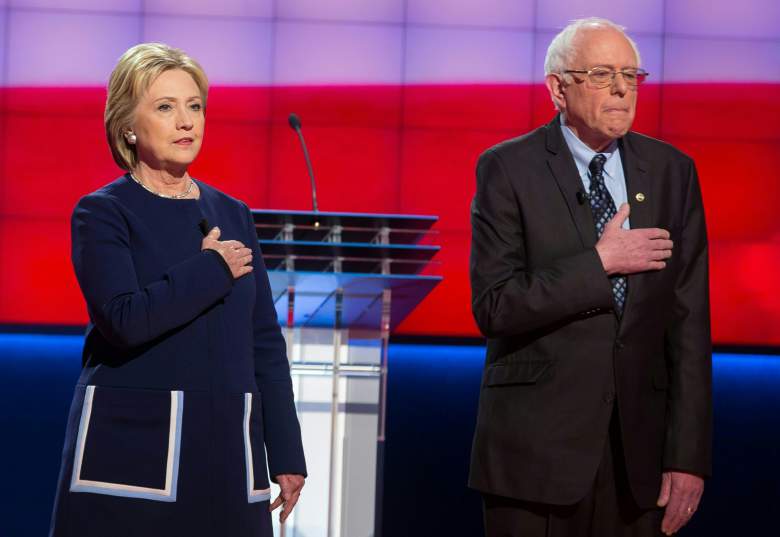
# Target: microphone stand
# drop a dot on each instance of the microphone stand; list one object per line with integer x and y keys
{"x": 295, "y": 124}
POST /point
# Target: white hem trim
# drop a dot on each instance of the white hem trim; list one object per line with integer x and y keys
{"x": 253, "y": 495}
{"x": 167, "y": 494}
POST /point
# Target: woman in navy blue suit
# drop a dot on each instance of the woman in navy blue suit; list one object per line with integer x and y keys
{"x": 184, "y": 406}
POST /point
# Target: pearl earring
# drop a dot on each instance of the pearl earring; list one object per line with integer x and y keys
{"x": 131, "y": 138}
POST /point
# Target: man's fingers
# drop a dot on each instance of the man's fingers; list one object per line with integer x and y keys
{"x": 673, "y": 515}
{"x": 620, "y": 216}
{"x": 684, "y": 500}
{"x": 676, "y": 517}
{"x": 666, "y": 489}
{"x": 214, "y": 233}
{"x": 671, "y": 522}
{"x": 666, "y": 523}
{"x": 660, "y": 255}
{"x": 661, "y": 244}
{"x": 654, "y": 233}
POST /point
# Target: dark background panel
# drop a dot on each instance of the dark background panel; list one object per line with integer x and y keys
{"x": 432, "y": 398}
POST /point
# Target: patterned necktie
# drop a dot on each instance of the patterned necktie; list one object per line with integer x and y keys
{"x": 603, "y": 208}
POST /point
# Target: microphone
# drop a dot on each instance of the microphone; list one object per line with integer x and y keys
{"x": 582, "y": 197}
{"x": 204, "y": 227}
{"x": 295, "y": 124}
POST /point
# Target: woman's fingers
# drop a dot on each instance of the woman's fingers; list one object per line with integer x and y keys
{"x": 237, "y": 256}
{"x": 277, "y": 502}
{"x": 288, "y": 506}
{"x": 234, "y": 245}
{"x": 241, "y": 271}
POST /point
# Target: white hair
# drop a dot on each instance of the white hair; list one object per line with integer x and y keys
{"x": 562, "y": 47}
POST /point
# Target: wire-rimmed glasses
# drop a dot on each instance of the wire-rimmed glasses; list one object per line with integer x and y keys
{"x": 601, "y": 77}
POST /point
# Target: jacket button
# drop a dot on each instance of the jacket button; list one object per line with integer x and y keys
{"x": 609, "y": 397}
{"x": 619, "y": 344}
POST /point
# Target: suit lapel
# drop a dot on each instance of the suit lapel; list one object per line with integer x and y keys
{"x": 638, "y": 187}
{"x": 563, "y": 169}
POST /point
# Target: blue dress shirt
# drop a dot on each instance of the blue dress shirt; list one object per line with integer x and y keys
{"x": 614, "y": 179}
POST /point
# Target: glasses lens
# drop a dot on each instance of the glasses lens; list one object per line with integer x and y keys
{"x": 634, "y": 77}
{"x": 600, "y": 77}
{"x": 629, "y": 77}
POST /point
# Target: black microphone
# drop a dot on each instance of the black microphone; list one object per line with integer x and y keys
{"x": 204, "y": 227}
{"x": 295, "y": 124}
{"x": 294, "y": 121}
{"x": 582, "y": 197}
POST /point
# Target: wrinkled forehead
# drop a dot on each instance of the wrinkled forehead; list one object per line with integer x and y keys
{"x": 602, "y": 46}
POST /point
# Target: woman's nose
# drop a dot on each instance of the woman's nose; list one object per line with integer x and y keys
{"x": 184, "y": 120}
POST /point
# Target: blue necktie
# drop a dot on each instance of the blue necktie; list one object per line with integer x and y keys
{"x": 603, "y": 208}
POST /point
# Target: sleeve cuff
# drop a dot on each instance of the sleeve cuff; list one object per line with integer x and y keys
{"x": 298, "y": 471}
{"x": 222, "y": 262}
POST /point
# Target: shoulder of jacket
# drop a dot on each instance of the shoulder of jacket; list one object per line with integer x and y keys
{"x": 650, "y": 147}
{"x": 518, "y": 147}
{"x": 221, "y": 197}
{"x": 106, "y": 195}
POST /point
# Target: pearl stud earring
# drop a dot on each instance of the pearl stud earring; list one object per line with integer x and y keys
{"x": 131, "y": 138}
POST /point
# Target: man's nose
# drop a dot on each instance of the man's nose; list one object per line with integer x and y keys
{"x": 619, "y": 85}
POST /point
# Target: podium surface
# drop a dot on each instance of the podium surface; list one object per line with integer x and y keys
{"x": 341, "y": 282}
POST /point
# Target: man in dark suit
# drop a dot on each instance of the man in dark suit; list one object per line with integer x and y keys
{"x": 589, "y": 279}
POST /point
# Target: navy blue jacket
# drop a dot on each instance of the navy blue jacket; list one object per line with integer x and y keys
{"x": 185, "y": 383}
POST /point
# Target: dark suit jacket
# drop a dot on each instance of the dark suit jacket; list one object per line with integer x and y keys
{"x": 558, "y": 358}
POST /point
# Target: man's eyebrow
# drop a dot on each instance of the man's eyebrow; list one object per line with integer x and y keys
{"x": 611, "y": 66}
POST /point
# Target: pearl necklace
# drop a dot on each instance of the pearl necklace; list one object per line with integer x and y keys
{"x": 171, "y": 196}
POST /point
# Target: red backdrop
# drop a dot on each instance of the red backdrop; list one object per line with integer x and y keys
{"x": 407, "y": 149}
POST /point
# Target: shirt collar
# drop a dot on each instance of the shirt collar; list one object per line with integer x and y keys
{"x": 583, "y": 154}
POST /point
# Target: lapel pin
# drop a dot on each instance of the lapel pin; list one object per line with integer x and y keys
{"x": 640, "y": 197}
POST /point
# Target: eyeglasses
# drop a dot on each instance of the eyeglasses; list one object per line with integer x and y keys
{"x": 601, "y": 77}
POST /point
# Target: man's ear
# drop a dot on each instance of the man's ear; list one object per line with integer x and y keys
{"x": 557, "y": 90}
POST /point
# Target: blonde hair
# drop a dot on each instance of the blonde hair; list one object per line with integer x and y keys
{"x": 136, "y": 70}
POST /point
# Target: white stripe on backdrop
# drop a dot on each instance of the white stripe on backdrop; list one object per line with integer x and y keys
{"x": 308, "y": 42}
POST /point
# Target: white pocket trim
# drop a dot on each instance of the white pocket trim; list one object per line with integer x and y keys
{"x": 167, "y": 494}
{"x": 252, "y": 494}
